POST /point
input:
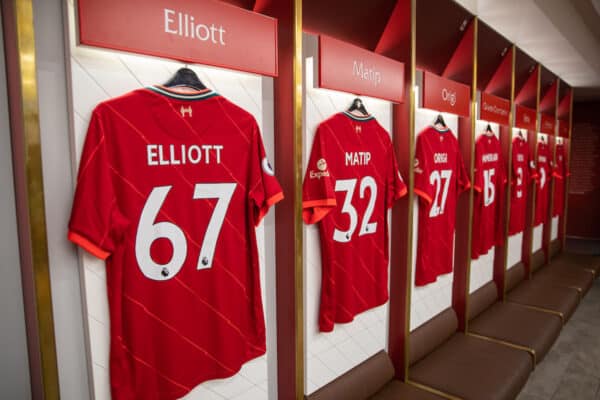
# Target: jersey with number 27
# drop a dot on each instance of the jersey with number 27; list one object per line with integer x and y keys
{"x": 440, "y": 176}
{"x": 351, "y": 181}
{"x": 170, "y": 188}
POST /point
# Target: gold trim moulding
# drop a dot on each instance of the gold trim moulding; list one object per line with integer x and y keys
{"x": 508, "y": 344}
{"x": 433, "y": 390}
{"x": 542, "y": 309}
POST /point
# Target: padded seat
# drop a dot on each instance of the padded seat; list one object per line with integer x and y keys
{"x": 464, "y": 366}
{"x": 548, "y": 296}
{"x": 578, "y": 261}
{"x": 371, "y": 380}
{"x": 513, "y": 323}
{"x": 572, "y": 278}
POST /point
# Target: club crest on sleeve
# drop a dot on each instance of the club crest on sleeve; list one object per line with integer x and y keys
{"x": 266, "y": 166}
{"x": 322, "y": 164}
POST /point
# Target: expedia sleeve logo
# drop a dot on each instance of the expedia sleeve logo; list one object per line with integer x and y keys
{"x": 417, "y": 168}
{"x": 322, "y": 170}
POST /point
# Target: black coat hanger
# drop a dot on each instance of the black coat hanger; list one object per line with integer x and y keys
{"x": 521, "y": 134}
{"x": 488, "y": 130}
{"x": 185, "y": 77}
{"x": 440, "y": 121}
{"x": 358, "y": 105}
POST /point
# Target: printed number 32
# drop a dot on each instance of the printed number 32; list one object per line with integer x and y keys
{"x": 148, "y": 231}
{"x": 366, "y": 227}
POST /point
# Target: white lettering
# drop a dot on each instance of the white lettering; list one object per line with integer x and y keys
{"x": 363, "y": 72}
{"x": 158, "y": 154}
{"x": 151, "y": 150}
{"x": 357, "y": 158}
{"x": 449, "y": 96}
{"x": 440, "y": 158}
{"x": 494, "y": 109}
{"x": 489, "y": 157}
{"x": 185, "y": 26}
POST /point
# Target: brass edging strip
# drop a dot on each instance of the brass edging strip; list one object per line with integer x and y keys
{"x": 433, "y": 390}
{"x": 508, "y": 195}
{"x": 411, "y": 184}
{"x": 298, "y": 226}
{"x": 471, "y": 169}
{"x": 591, "y": 271}
{"x": 36, "y": 224}
{"x": 508, "y": 344}
{"x": 542, "y": 309}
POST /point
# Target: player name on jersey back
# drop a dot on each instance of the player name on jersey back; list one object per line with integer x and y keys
{"x": 159, "y": 154}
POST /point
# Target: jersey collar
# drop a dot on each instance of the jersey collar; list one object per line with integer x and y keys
{"x": 358, "y": 118}
{"x": 175, "y": 94}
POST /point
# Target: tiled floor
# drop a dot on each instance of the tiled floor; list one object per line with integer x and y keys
{"x": 571, "y": 370}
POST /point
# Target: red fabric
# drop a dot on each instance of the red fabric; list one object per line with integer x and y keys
{"x": 561, "y": 172}
{"x": 490, "y": 178}
{"x": 543, "y": 192}
{"x": 177, "y": 318}
{"x": 523, "y": 172}
{"x": 440, "y": 176}
{"x": 351, "y": 180}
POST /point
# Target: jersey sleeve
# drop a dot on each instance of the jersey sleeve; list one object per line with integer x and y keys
{"x": 265, "y": 190}
{"x": 462, "y": 180}
{"x": 478, "y": 174}
{"x": 95, "y": 217}
{"x": 423, "y": 168}
{"x": 533, "y": 172}
{"x": 394, "y": 182}
{"x": 318, "y": 188}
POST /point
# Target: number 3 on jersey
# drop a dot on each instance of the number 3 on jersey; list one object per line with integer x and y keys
{"x": 436, "y": 179}
{"x": 148, "y": 231}
{"x": 366, "y": 227}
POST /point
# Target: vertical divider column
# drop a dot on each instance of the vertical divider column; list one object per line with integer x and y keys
{"x": 562, "y": 230}
{"x": 464, "y": 209}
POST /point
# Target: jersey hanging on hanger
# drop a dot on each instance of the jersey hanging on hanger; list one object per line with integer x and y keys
{"x": 561, "y": 172}
{"x": 543, "y": 191}
{"x": 523, "y": 172}
{"x": 169, "y": 191}
{"x": 351, "y": 180}
{"x": 440, "y": 176}
{"x": 489, "y": 181}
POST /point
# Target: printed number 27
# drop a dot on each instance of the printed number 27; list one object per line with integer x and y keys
{"x": 148, "y": 231}
{"x": 436, "y": 179}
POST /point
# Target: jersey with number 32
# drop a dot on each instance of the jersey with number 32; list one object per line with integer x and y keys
{"x": 440, "y": 176}
{"x": 351, "y": 181}
{"x": 169, "y": 191}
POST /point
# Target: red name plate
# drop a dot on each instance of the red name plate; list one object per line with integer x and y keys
{"x": 563, "y": 128}
{"x": 446, "y": 95}
{"x": 352, "y": 69}
{"x": 206, "y": 32}
{"x": 525, "y": 118}
{"x": 547, "y": 124}
{"x": 494, "y": 109}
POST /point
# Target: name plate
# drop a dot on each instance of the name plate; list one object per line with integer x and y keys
{"x": 547, "y": 124}
{"x": 445, "y": 95}
{"x": 205, "y": 32}
{"x": 494, "y": 109}
{"x": 525, "y": 118}
{"x": 352, "y": 69}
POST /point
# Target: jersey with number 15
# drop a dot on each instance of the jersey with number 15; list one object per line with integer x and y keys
{"x": 351, "y": 181}
{"x": 170, "y": 188}
{"x": 440, "y": 176}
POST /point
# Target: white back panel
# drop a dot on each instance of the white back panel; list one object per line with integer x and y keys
{"x": 329, "y": 355}
{"x": 515, "y": 243}
{"x": 538, "y": 234}
{"x": 428, "y": 301}
{"x": 98, "y": 75}
{"x": 482, "y": 269}
{"x": 554, "y": 228}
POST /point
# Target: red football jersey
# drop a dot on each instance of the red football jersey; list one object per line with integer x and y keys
{"x": 488, "y": 183}
{"x": 561, "y": 172}
{"x": 440, "y": 176}
{"x": 352, "y": 179}
{"x": 545, "y": 174}
{"x": 523, "y": 172}
{"x": 170, "y": 188}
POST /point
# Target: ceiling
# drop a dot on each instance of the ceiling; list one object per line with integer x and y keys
{"x": 562, "y": 35}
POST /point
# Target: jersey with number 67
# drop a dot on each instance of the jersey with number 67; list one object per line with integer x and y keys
{"x": 351, "y": 181}
{"x": 440, "y": 176}
{"x": 170, "y": 188}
